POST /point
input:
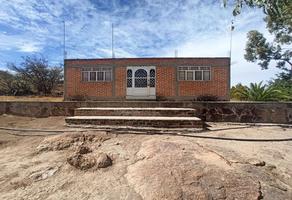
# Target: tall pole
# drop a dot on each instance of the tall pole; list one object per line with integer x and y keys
{"x": 230, "y": 52}
{"x": 231, "y": 30}
{"x": 113, "y": 53}
{"x": 64, "y": 40}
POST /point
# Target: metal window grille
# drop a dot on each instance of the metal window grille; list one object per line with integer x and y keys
{"x": 152, "y": 78}
{"x": 141, "y": 78}
{"x": 194, "y": 73}
{"x": 129, "y": 78}
{"x": 94, "y": 74}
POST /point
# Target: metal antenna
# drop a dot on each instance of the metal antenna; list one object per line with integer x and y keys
{"x": 175, "y": 53}
{"x": 113, "y": 53}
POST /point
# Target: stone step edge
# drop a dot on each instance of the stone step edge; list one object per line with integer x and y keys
{"x": 141, "y": 129}
{"x": 135, "y": 108}
{"x": 148, "y": 118}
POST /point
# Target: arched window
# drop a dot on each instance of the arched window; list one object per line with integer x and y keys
{"x": 141, "y": 78}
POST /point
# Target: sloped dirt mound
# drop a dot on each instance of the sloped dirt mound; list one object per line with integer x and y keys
{"x": 68, "y": 140}
{"x": 177, "y": 170}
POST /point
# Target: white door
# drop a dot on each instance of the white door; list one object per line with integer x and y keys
{"x": 141, "y": 82}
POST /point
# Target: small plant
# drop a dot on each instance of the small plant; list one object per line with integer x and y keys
{"x": 78, "y": 98}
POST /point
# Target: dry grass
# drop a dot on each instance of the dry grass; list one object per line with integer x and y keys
{"x": 31, "y": 98}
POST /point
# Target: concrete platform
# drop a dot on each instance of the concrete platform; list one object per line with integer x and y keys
{"x": 130, "y": 111}
{"x": 143, "y": 121}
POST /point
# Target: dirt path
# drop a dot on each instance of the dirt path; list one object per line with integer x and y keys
{"x": 143, "y": 166}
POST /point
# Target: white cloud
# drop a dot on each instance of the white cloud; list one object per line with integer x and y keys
{"x": 29, "y": 47}
{"x": 9, "y": 42}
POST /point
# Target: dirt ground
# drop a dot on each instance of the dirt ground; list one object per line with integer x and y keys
{"x": 55, "y": 165}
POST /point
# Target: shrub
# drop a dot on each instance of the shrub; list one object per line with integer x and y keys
{"x": 207, "y": 97}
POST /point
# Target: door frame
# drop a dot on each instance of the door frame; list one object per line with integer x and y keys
{"x": 140, "y": 93}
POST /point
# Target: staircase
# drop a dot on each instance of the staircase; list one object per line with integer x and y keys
{"x": 158, "y": 117}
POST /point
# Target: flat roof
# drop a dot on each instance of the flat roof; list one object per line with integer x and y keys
{"x": 149, "y": 58}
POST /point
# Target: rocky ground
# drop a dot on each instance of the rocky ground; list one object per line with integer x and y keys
{"x": 89, "y": 164}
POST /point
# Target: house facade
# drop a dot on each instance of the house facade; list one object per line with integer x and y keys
{"x": 146, "y": 78}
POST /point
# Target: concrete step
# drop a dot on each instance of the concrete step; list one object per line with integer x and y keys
{"x": 128, "y": 111}
{"x": 140, "y": 121}
{"x": 136, "y": 104}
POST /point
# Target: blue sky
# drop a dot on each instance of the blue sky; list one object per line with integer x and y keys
{"x": 143, "y": 28}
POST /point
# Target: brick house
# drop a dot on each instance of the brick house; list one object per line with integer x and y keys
{"x": 146, "y": 78}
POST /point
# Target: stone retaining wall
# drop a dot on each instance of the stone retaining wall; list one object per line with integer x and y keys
{"x": 260, "y": 112}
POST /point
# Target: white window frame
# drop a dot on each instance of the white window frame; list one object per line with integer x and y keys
{"x": 193, "y": 69}
{"x": 96, "y": 70}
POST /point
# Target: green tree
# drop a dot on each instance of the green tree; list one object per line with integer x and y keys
{"x": 260, "y": 92}
{"x": 36, "y": 71}
{"x": 283, "y": 83}
{"x": 278, "y": 18}
{"x": 235, "y": 92}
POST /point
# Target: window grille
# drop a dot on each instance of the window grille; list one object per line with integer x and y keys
{"x": 129, "y": 78}
{"x": 96, "y": 74}
{"x": 194, "y": 73}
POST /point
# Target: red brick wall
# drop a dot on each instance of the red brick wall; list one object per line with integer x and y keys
{"x": 76, "y": 88}
{"x": 218, "y": 85}
{"x": 165, "y": 82}
{"x": 120, "y": 81}
{"x": 167, "y": 85}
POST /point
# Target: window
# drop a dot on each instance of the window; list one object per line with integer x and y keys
{"x": 129, "y": 78}
{"x": 94, "y": 74}
{"x": 194, "y": 73}
{"x": 108, "y": 75}
{"x": 85, "y": 76}
{"x": 206, "y": 75}
{"x": 181, "y": 75}
{"x": 140, "y": 78}
{"x": 198, "y": 75}
{"x": 189, "y": 75}
{"x": 152, "y": 78}
{"x": 100, "y": 76}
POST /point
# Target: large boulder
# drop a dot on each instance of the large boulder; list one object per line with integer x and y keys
{"x": 180, "y": 169}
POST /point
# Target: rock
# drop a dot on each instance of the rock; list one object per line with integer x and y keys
{"x": 83, "y": 150}
{"x": 82, "y": 162}
{"x": 43, "y": 174}
{"x": 271, "y": 167}
{"x": 103, "y": 161}
{"x": 167, "y": 172}
{"x": 256, "y": 162}
{"x": 86, "y": 161}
